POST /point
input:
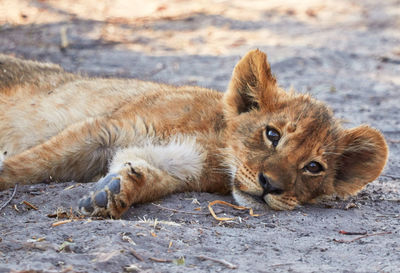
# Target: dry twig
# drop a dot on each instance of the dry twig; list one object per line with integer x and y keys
{"x": 361, "y": 237}
{"x": 55, "y": 224}
{"x": 223, "y": 262}
{"x": 30, "y": 205}
{"x": 160, "y": 260}
{"x": 352, "y": 233}
{"x": 136, "y": 255}
{"x": 227, "y": 204}
{"x": 278, "y": 265}
{"x": 9, "y": 200}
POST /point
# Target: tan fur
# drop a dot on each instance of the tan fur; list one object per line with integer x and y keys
{"x": 162, "y": 139}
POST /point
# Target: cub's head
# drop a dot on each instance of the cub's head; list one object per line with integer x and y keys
{"x": 286, "y": 149}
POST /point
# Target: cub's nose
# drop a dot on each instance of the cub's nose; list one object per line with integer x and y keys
{"x": 267, "y": 186}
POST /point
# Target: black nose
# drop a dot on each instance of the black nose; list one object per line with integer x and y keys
{"x": 267, "y": 186}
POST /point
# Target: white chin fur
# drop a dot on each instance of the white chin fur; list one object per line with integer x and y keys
{"x": 246, "y": 200}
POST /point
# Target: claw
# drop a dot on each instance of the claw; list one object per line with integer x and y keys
{"x": 132, "y": 170}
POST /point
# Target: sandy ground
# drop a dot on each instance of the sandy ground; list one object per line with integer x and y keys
{"x": 346, "y": 53}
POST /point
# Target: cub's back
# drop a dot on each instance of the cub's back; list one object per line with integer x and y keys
{"x": 29, "y": 77}
{"x": 39, "y": 100}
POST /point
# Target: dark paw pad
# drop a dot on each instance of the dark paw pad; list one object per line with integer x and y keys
{"x": 104, "y": 181}
{"x": 104, "y": 191}
{"x": 86, "y": 204}
{"x": 101, "y": 199}
{"x": 114, "y": 185}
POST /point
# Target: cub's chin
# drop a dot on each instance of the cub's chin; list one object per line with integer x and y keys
{"x": 281, "y": 201}
{"x": 247, "y": 200}
{"x": 268, "y": 201}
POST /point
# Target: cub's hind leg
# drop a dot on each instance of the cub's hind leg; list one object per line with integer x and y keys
{"x": 79, "y": 153}
{"x": 144, "y": 174}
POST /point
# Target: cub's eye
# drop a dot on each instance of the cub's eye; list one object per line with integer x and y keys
{"x": 314, "y": 167}
{"x": 273, "y": 135}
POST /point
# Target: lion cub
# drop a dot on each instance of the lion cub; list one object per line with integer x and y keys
{"x": 269, "y": 148}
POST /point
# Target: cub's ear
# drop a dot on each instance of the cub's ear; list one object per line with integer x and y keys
{"x": 252, "y": 85}
{"x": 364, "y": 155}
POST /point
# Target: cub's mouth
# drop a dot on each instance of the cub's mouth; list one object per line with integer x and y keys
{"x": 256, "y": 191}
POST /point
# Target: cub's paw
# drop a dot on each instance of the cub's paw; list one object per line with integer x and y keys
{"x": 113, "y": 194}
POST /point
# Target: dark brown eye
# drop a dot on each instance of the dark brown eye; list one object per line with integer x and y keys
{"x": 273, "y": 135}
{"x": 314, "y": 167}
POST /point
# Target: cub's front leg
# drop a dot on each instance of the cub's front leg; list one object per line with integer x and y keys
{"x": 136, "y": 182}
{"x": 144, "y": 174}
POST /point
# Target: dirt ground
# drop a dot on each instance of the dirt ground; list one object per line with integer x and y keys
{"x": 346, "y": 53}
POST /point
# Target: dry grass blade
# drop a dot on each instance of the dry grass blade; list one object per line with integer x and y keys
{"x": 70, "y": 187}
{"x": 160, "y": 260}
{"x": 9, "y": 200}
{"x": 223, "y": 262}
{"x": 352, "y": 233}
{"x": 220, "y": 202}
{"x": 136, "y": 255}
{"x": 61, "y": 213}
{"x": 55, "y": 224}
{"x": 30, "y": 205}
{"x": 361, "y": 237}
{"x": 128, "y": 239}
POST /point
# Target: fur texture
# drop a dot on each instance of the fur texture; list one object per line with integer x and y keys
{"x": 181, "y": 157}
{"x": 270, "y": 148}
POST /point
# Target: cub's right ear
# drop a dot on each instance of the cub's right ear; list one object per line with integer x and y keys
{"x": 252, "y": 85}
{"x": 364, "y": 155}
